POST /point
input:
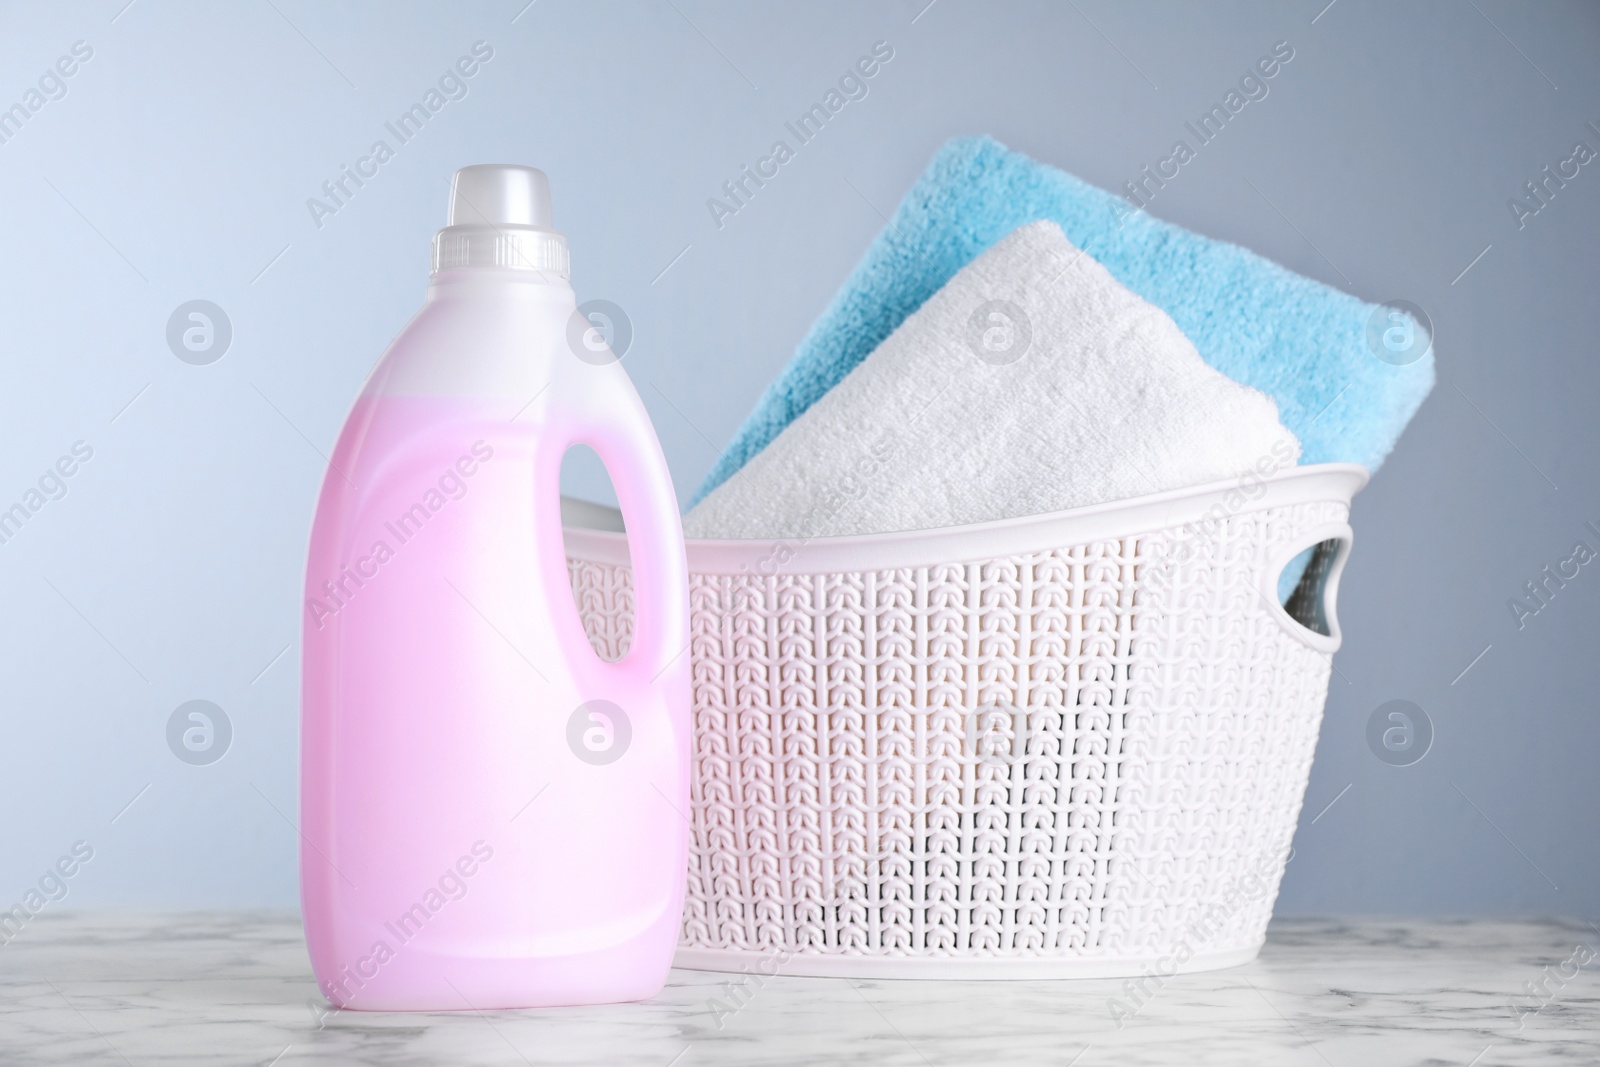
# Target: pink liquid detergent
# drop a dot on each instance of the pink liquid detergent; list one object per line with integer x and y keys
{"x": 492, "y": 816}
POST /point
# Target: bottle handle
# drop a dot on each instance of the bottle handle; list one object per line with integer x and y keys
{"x": 632, "y": 456}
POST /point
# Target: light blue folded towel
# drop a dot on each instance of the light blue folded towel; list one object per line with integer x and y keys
{"x": 1311, "y": 347}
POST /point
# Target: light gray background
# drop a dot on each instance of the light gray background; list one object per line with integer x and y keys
{"x": 178, "y": 166}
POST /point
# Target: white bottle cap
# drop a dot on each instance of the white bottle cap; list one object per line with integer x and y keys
{"x": 500, "y": 217}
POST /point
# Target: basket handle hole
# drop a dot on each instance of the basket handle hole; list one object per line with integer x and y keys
{"x": 1303, "y": 583}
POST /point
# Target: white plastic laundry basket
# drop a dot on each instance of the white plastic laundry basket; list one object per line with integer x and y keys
{"x": 1069, "y": 745}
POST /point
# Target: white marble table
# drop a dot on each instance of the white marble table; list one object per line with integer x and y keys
{"x": 204, "y": 988}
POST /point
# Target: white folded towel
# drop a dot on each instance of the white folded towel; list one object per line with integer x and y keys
{"x": 1032, "y": 382}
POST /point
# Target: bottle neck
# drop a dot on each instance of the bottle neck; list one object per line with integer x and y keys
{"x": 466, "y": 281}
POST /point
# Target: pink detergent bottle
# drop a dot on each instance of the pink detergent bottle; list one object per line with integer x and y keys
{"x": 491, "y": 815}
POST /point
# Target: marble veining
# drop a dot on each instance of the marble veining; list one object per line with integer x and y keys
{"x": 185, "y": 988}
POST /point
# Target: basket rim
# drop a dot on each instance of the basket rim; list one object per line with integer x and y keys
{"x": 989, "y": 540}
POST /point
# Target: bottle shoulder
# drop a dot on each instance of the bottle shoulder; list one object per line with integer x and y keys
{"x": 523, "y": 349}
{"x": 477, "y": 341}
